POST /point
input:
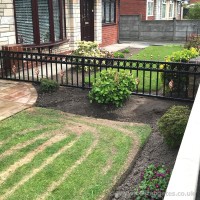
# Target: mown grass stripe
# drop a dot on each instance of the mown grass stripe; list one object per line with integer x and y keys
{"x": 10, "y": 160}
{"x": 22, "y": 138}
{"x": 29, "y": 157}
{"x": 143, "y": 132}
{"x": 15, "y": 179}
{"x": 30, "y": 118}
{"x": 56, "y": 184}
{"x": 93, "y": 181}
{"x": 7, "y": 137}
{"x": 22, "y": 145}
{"x": 34, "y": 171}
{"x": 53, "y": 172}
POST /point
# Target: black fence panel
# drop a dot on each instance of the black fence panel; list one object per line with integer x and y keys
{"x": 153, "y": 78}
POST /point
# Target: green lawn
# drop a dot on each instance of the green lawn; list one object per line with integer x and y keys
{"x": 46, "y": 154}
{"x": 149, "y": 81}
{"x": 157, "y": 53}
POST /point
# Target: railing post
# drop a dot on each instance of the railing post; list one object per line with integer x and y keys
{"x": 83, "y": 73}
{"x": 1, "y": 64}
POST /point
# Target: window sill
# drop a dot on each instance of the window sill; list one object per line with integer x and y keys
{"x": 109, "y": 24}
{"x": 45, "y": 45}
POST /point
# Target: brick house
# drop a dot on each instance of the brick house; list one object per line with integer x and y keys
{"x": 58, "y": 24}
{"x": 194, "y": 1}
{"x": 152, "y": 9}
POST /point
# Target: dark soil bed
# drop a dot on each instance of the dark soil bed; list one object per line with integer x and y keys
{"x": 132, "y": 51}
{"x": 136, "y": 109}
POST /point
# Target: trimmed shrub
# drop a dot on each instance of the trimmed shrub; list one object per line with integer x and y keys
{"x": 154, "y": 182}
{"x": 173, "y": 123}
{"x": 112, "y": 87}
{"x": 48, "y": 85}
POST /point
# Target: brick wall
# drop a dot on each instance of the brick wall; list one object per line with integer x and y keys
{"x": 110, "y": 32}
{"x": 7, "y": 25}
{"x": 133, "y": 7}
{"x": 194, "y": 1}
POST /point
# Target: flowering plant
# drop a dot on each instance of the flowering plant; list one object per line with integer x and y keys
{"x": 154, "y": 181}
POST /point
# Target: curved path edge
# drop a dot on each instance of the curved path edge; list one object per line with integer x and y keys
{"x": 15, "y": 97}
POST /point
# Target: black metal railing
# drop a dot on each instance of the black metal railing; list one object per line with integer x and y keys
{"x": 153, "y": 78}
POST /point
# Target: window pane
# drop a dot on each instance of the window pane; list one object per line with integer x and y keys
{"x": 43, "y": 15}
{"x": 107, "y": 12}
{"x": 171, "y": 8}
{"x": 103, "y": 13}
{"x": 63, "y": 17}
{"x": 163, "y": 10}
{"x": 112, "y": 12}
{"x": 56, "y": 19}
{"x": 24, "y": 22}
{"x": 150, "y": 7}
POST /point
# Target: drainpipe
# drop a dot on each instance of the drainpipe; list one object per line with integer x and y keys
{"x": 118, "y": 21}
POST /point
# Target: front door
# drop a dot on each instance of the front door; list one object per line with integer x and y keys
{"x": 87, "y": 20}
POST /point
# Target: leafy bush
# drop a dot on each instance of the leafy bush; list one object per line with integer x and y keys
{"x": 88, "y": 49}
{"x": 48, "y": 85}
{"x": 154, "y": 182}
{"x": 118, "y": 54}
{"x": 173, "y": 123}
{"x": 112, "y": 87}
{"x": 194, "y": 11}
{"x": 180, "y": 81}
{"x": 193, "y": 41}
{"x": 183, "y": 56}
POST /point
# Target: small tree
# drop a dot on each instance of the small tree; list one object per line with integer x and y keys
{"x": 194, "y": 11}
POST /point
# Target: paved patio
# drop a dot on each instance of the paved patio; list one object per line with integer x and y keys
{"x": 15, "y": 97}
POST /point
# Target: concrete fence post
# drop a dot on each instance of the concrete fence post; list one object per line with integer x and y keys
{"x": 174, "y": 28}
{"x": 139, "y": 26}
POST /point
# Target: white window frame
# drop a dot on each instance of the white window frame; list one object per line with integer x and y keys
{"x": 178, "y": 8}
{"x": 171, "y": 8}
{"x": 150, "y": 7}
{"x": 164, "y": 4}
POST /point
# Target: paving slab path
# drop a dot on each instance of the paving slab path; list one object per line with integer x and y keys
{"x": 15, "y": 97}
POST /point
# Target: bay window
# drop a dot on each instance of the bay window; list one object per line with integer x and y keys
{"x": 40, "y": 21}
